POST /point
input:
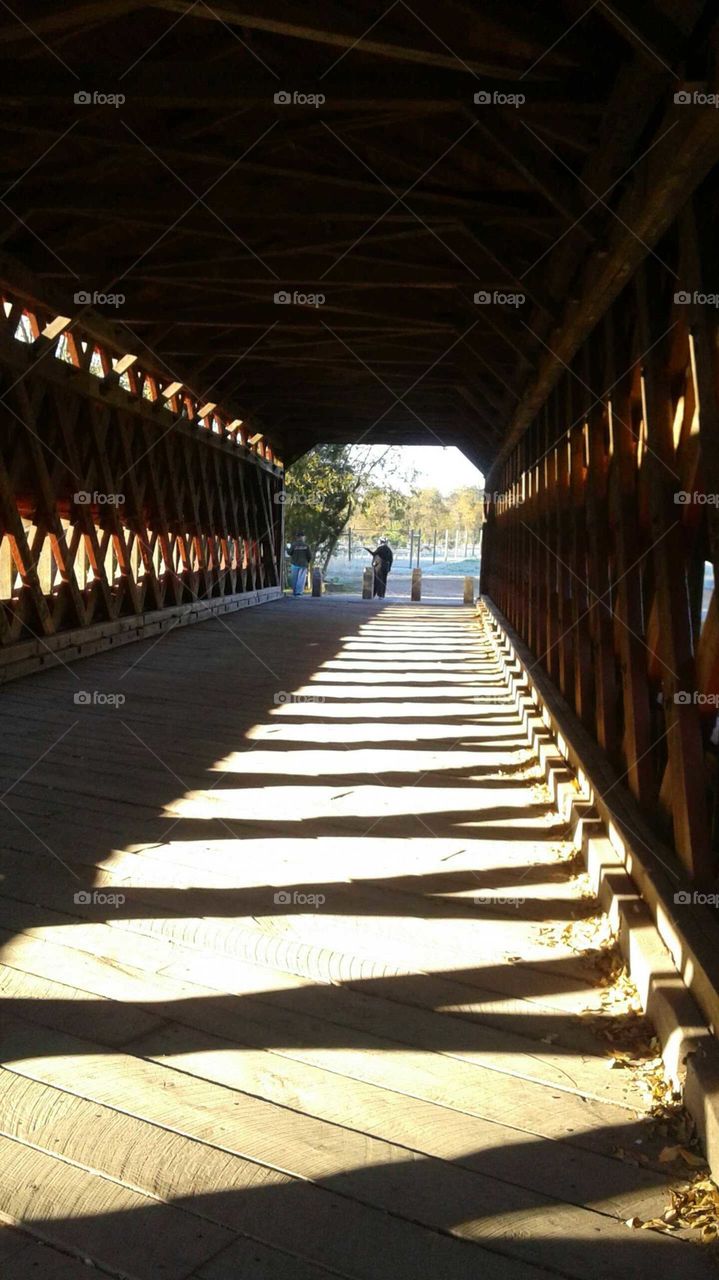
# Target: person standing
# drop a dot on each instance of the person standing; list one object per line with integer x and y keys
{"x": 381, "y": 564}
{"x": 300, "y": 560}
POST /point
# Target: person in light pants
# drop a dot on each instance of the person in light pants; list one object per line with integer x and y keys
{"x": 300, "y": 560}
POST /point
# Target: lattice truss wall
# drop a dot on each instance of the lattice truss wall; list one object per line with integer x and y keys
{"x": 120, "y": 493}
{"x": 603, "y": 533}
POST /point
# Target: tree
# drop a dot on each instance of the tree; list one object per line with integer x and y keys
{"x": 428, "y": 510}
{"x": 384, "y": 512}
{"x": 468, "y": 507}
{"x": 326, "y": 486}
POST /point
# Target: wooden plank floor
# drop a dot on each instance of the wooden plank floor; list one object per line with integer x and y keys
{"x": 277, "y": 991}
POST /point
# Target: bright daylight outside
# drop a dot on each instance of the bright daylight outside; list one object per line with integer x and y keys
{"x": 425, "y": 501}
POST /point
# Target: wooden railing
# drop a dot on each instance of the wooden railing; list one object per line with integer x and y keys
{"x": 602, "y": 536}
{"x": 121, "y": 493}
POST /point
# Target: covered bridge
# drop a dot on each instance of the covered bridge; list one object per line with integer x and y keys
{"x": 315, "y": 918}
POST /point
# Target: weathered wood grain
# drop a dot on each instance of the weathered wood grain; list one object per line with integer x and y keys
{"x": 335, "y": 1087}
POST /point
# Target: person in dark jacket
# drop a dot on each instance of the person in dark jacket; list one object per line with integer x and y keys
{"x": 381, "y": 564}
{"x": 300, "y": 560}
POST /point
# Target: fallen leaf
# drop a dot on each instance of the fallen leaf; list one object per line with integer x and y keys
{"x": 694, "y": 1161}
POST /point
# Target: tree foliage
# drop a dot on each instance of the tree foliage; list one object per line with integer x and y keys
{"x": 335, "y": 485}
{"x": 383, "y": 512}
{"x": 327, "y": 486}
{"x": 427, "y": 509}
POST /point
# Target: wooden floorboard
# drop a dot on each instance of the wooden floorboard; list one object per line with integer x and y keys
{"x": 22, "y": 1258}
{"x": 245, "y": 1193}
{"x": 210, "y": 1080}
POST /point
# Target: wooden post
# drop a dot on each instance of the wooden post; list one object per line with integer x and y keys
{"x": 282, "y": 546}
{"x": 317, "y": 583}
{"x": 469, "y": 589}
{"x": 599, "y": 578}
{"x": 624, "y": 524}
{"x": 416, "y": 584}
{"x": 565, "y": 642}
{"x": 582, "y": 650}
{"x": 683, "y": 734}
{"x": 7, "y": 571}
{"x": 367, "y": 583}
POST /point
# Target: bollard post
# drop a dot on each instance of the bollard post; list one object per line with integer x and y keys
{"x": 416, "y": 584}
{"x": 469, "y": 590}
{"x": 316, "y": 582}
{"x": 367, "y": 583}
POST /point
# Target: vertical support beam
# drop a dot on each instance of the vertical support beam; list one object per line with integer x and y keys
{"x": 490, "y": 550}
{"x": 581, "y": 646}
{"x": 551, "y": 566}
{"x": 628, "y": 547}
{"x": 7, "y": 571}
{"x": 562, "y": 553}
{"x": 599, "y": 568}
{"x": 704, "y": 359}
{"x": 683, "y": 733}
{"x": 538, "y": 636}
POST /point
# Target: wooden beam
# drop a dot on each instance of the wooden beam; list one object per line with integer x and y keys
{"x": 70, "y": 16}
{"x": 345, "y": 40}
{"x": 683, "y": 735}
{"x": 687, "y": 147}
{"x": 537, "y": 165}
{"x": 647, "y": 28}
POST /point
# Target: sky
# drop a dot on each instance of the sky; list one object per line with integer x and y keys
{"x": 437, "y": 467}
